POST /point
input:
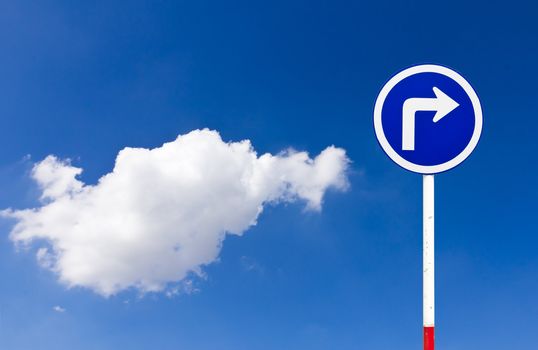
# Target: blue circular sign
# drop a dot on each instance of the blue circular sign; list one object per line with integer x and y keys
{"x": 428, "y": 119}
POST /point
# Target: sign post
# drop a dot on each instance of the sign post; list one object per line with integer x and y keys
{"x": 428, "y": 254}
{"x": 428, "y": 119}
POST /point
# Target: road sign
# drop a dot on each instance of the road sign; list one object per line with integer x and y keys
{"x": 428, "y": 119}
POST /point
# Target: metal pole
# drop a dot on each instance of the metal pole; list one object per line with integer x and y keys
{"x": 428, "y": 262}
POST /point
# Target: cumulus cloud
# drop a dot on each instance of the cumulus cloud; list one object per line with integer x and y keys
{"x": 162, "y": 214}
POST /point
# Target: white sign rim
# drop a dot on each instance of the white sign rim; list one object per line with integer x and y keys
{"x": 427, "y": 169}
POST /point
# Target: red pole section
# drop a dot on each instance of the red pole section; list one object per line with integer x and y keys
{"x": 429, "y": 338}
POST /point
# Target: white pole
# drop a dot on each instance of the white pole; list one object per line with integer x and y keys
{"x": 428, "y": 262}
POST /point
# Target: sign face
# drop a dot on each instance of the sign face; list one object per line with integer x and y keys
{"x": 428, "y": 119}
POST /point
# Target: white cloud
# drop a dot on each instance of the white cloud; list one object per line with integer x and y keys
{"x": 58, "y": 309}
{"x": 163, "y": 213}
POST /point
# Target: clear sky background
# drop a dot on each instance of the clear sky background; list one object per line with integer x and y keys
{"x": 83, "y": 80}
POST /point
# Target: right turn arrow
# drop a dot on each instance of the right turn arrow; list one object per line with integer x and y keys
{"x": 442, "y": 104}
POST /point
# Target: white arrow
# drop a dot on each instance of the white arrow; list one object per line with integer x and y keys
{"x": 442, "y": 104}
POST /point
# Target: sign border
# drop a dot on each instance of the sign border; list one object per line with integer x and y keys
{"x": 380, "y": 134}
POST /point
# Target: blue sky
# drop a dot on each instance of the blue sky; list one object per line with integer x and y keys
{"x": 84, "y": 80}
